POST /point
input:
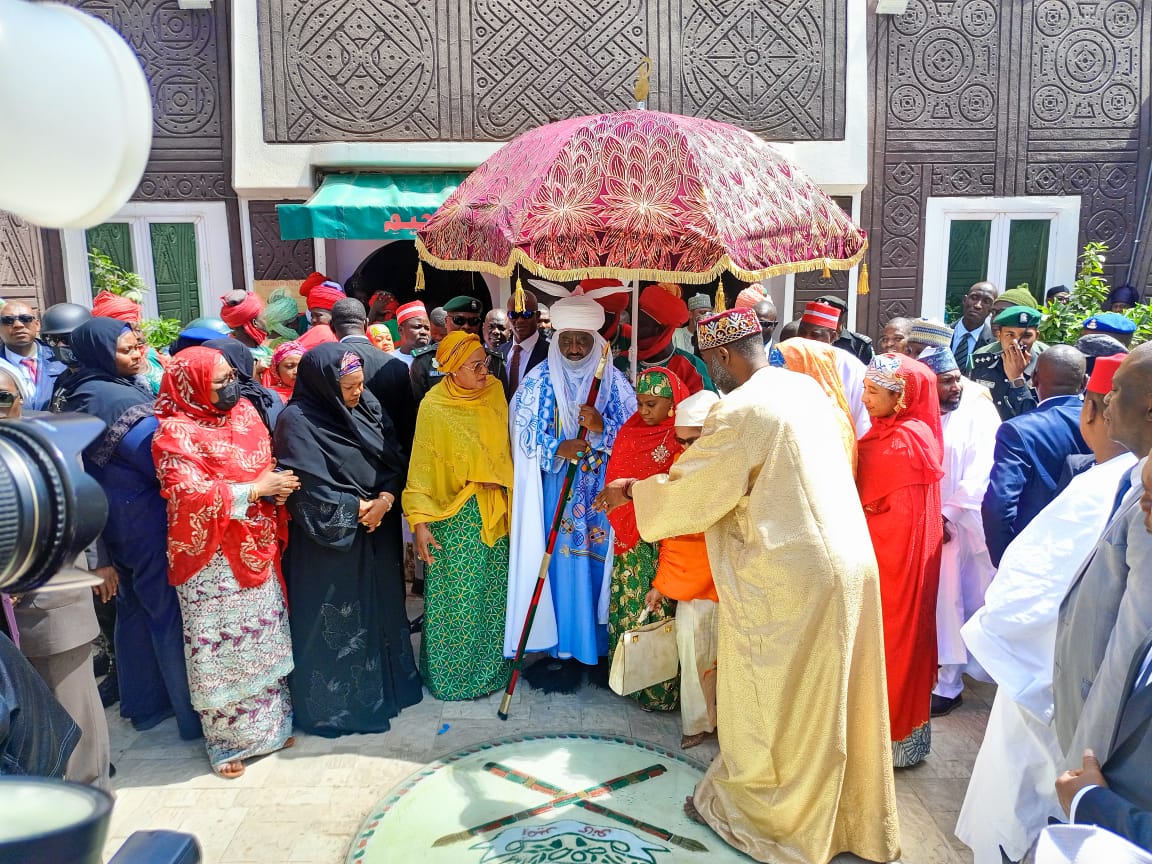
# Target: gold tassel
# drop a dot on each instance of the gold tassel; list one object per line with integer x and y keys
{"x": 862, "y": 280}
{"x": 721, "y": 300}
{"x": 419, "y": 275}
{"x": 518, "y": 296}
{"x": 827, "y": 274}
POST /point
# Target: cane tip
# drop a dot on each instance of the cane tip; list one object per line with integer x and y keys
{"x": 503, "y": 715}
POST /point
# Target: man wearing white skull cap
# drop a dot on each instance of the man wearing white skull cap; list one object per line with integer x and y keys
{"x": 546, "y": 414}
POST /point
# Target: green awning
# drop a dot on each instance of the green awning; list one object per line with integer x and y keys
{"x": 367, "y": 206}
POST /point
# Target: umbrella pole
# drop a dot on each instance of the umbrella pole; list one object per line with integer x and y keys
{"x": 557, "y": 517}
{"x": 633, "y": 351}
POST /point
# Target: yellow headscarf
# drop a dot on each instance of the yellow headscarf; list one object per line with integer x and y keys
{"x": 818, "y": 360}
{"x": 461, "y": 443}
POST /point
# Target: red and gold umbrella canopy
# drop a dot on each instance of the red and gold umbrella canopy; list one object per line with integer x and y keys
{"x": 640, "y": 195}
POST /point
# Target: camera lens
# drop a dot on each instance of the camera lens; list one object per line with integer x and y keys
{"x": 50, "y": 510}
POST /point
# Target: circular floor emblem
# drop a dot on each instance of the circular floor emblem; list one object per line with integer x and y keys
{"x": 548, "y": 798}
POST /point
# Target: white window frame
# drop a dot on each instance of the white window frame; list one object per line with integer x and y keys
{"x": 213, "y": 254}
{"x": 1063, "y": 241}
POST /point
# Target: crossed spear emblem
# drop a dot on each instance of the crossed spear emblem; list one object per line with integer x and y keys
{"x": 560, "y": 798}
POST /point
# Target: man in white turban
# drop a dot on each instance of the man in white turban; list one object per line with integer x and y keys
{"x": 546, "y": 416}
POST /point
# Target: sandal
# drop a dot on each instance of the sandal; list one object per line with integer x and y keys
{"x": 687, "y": 742}
{"x": 230, "y": 770}
{"x": 691, "y": 812}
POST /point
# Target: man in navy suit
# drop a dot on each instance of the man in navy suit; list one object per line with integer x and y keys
{"x": 528, "y": 349}
{"x": 1031, "y": 449}
{"x": 19, "y": 327}
{"x": 973, "y": 331}
{"x": 1118, "y": 795}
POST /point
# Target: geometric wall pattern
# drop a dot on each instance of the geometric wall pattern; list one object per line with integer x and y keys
{"x": 486, "y": 70}
{"x": 273, "y": 258}
{"x": 976, "y": 97}
{"x": 21, "y": 260}
{"x": 185, "y": 58}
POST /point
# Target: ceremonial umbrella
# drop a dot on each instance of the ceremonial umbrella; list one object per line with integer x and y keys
{"x": 640, "y": 195}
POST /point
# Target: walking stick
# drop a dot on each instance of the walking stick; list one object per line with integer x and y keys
{"x": 565, "y": 491}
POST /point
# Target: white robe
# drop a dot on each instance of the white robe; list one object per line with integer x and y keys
{"x": 852, "y": 374}
{"x": 1013, "y": 637}
{"x": 965, "y": 568}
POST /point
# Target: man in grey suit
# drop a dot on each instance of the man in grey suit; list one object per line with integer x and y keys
{"x": 1107, "y": 612}
{"x": 1118, "y": 794}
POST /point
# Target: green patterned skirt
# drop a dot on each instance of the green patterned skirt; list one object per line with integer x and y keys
{"x": 465, "y": 595}
{"x": 632, "y": 575}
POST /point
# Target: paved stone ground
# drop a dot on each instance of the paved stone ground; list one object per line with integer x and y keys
{"x": 305, "y": 804}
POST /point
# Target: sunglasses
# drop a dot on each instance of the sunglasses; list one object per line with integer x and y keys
{"x": 525, "y": 315}
{"x": 7, "y": 400}
{"x": 465, "y": 321}
{"x": 10, "y": 320}
{"x": 768, "y": 325}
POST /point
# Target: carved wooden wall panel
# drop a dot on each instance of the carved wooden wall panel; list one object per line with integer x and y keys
{"x": 1030, "y": 97}
{"x": 423, "y": 70}
{"x": 185, "y": 56}
{"x": 21, "y": 261}
{"x": 273, "y": 258}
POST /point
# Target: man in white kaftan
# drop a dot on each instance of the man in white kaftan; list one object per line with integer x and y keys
{"x": 1012, "y": 791}
{"x": 970, "y": 423}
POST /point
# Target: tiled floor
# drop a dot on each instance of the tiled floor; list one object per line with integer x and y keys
{"x": 305, "y": 804}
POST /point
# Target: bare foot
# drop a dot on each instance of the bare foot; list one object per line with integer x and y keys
{"x": 230, "y": 770}
{"x": 289, "y": 743}
{"x": 687, "y": 742}
{"x": 691, "y": 812}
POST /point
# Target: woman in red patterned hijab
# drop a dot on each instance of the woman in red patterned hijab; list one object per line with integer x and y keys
{"x": 226, "y": 530}
{"x": 899, "y": 481}
{"x": 645, "y": 446}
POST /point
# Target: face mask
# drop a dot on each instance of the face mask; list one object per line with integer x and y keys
{"x": 227, "y": 396}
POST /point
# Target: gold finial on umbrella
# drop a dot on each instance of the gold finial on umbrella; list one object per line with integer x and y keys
{"x": 642, "y": 87}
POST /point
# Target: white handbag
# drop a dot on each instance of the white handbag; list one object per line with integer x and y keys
{"x": 645, "y": 655}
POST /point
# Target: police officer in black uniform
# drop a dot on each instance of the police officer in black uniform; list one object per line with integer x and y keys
{"x": 1005, "y": 367}
{"x": 464, "y": 313}
{"x": 856, "y": 344}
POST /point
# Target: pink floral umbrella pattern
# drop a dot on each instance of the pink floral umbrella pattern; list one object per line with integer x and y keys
{"x": 640, "y": 195}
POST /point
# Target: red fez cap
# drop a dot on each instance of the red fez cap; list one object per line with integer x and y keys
{"x": 821, "y": 315}
{"x": 662, "y": 301}
{"x": 415, "y": 309}
{"x": 1103, "y": 372}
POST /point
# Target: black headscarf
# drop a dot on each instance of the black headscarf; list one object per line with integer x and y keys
{"x": 266, "y": 403}
{"x": 99, "y": 390}
{"x": 351, "y": 449}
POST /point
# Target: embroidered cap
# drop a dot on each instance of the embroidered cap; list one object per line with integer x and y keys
{"x": 415, "y": 309}
{"x": 727, "y": 327}
{"x": 349, "y": 363}
{"x": 654, "y": 382}
{"x": 939, "y": 360}
{"x": 885, "y": 371}
{"x": 929, "y": 332}
{"x": 699, "y": 301}
{"x": 821, "y": 315}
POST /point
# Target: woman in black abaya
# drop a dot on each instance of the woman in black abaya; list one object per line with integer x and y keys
{"x": 355, "y": 667}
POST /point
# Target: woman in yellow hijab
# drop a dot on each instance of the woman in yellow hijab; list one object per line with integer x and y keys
{"x": 456, "y": 501}
{"x": 818, "y": 360}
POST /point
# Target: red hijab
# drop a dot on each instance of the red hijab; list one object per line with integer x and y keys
{"x": 200, "y": 451}
{"x": 642, "y": 451}
{"x": 905, "y": 448}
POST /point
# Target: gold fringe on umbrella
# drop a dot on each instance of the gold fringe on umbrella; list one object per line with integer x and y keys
{"x": 624, "y": 274}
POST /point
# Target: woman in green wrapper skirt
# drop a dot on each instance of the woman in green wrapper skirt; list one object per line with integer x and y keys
{"x": 456, "y": 501}
{"x": 645, "y": 445}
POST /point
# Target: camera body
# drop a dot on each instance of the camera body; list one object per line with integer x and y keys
{"x": 50, "y": 509}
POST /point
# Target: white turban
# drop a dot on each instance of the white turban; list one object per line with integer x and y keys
{"x": 693, "y": 410}
{"x": 577, "y": 313}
